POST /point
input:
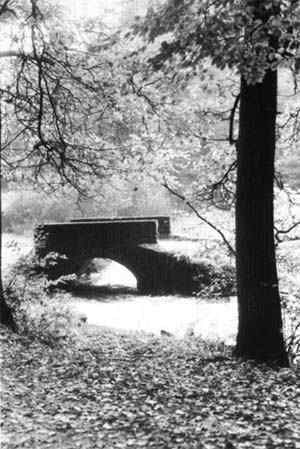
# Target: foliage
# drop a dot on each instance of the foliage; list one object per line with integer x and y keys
{"x": 289, "y": 268}
{"x": 54, "y": 264}
{"x": 170, "y": 133}
{"x": 178, "y": 134}
{"x": 142, "y": 124}
{"x": 288, "y": 127}
{"x": 119, "y": 197}
{"x": 222, "y": 283}
{"x": 29, "y": 208}
{"x": 291, "y": 315}
{"x": 239, "y": 35}
{"x": 38, "y": 314}
{"x": 210, "y": 280}
{"x": 57, "y": 103}
{"x": 119, "y": 390}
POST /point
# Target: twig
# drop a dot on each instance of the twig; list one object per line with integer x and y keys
{"x": 284, "y": 231}
{"x": 5, "y": 8}
{"x": 232, "y": 140}
{"x": 205, "y": 220}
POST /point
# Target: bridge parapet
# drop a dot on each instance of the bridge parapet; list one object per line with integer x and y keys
{"x": 163, "y": 222}
{"x": 92, "y": 238}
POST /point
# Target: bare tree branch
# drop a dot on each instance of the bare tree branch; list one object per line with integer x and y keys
{"x": 205, "y": 220}
{"x": 232, "y": 140}
{"x": 285, "y": 231}
{"x": 5, "y": 8}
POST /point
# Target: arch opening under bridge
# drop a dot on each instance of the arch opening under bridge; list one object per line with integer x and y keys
{"x": 132, "y": 243}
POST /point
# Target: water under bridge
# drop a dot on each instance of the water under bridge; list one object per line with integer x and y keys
{"x": 135, "y": 242}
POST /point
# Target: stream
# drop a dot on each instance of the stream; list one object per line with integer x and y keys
{"x": 113, "y": 302}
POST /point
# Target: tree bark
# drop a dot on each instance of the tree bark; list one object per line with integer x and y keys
{"x": 6, "y": 316}
{"x": 260, "y": 323}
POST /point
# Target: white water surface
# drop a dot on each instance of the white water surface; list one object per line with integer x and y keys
{"x": 180, "y": 316}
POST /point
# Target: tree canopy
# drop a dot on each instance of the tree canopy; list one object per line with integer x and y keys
{"x": 232, "y": 33}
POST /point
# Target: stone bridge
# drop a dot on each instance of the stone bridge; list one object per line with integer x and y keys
{"x": 133, "y": 242}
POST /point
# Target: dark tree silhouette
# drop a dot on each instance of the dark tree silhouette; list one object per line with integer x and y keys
{"x": 252, "y": 36}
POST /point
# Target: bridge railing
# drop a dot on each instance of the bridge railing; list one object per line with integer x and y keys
{"x": 163, "y": 222}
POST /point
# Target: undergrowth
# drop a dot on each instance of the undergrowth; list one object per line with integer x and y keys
{"x": 289, "y": 275}
{"x": 40, "y": 314}
{"x": 220, "y": 282}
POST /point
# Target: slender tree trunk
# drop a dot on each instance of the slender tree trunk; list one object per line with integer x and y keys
{"x": 6, "y": 316}
{"x": 260, "y": 323}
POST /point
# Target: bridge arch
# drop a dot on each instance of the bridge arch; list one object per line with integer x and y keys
{"x": 133, "y": 244}
{"x": 108, "y": 272}
{"x": 138, "y": 261}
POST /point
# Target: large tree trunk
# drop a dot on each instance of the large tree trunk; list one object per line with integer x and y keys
{"x": 260, "y": 323}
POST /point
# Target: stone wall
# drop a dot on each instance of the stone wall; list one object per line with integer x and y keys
{"x": 163, "y": 222}
{"x": 157, "y": 271}
{"x": 90, "y": 239}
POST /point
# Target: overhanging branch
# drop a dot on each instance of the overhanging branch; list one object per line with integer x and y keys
{"x": 25, "y": 56}
{"x": 205, "y": 220}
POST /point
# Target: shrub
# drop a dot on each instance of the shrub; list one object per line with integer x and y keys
{"x": 291, "y": 324}
{"x": 54, "y": 264}
{"x": 38, "y": 314}
{"x": 289, "y": 268}
{"x": 218, "y": 282}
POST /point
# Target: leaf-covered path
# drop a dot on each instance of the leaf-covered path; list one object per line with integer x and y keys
{"x": 115, "y": 390}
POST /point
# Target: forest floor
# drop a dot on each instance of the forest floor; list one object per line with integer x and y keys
{"x": 132, "y": 390}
